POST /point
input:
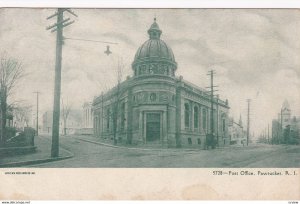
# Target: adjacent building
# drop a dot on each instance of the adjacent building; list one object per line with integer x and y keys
{"x": 236, "y": 131}
{"x": 154, "y": 106}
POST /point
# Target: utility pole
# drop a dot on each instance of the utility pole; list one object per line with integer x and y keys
{"x": 281, "y": 129}
{"x": 266, "y": 137}
{"x": 37, "y": 112}
{"x": 211, "y": 73}
{"x": 58, "y": 27}
{"x": 102, "y": 109}
{"x": 278, "y": 129}
{"x": 217, "y": 120}
{"x": 248, "y": 120}
{"x": 268, "y": 133}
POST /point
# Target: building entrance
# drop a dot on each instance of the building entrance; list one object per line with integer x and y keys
{"x": 153, "y": 127}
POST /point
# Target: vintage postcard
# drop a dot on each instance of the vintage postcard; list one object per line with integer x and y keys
{"x": 149, "y": 104}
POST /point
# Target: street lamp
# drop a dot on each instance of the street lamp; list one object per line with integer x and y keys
{"x": 107, "y": 51}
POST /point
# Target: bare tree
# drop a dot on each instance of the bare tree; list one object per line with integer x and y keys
{"x": 113, "y": 97}
{"x": 66, "y": 109}
{"x": 22, "y": 115}
{"x": 11, "y": 71}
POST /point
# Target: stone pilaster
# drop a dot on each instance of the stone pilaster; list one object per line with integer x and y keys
{"x": 129, "y": 116}
{"x": 178, "y": 113}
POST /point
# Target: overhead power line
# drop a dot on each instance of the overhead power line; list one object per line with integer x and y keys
{"x": 88, "y": 40}
{"x": 248, "y": 120}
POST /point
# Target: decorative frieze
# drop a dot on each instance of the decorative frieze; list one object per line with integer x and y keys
{"x": 155, "y": 68}
{"x": 160, "y": 97}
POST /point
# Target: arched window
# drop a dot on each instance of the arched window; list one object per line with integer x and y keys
{"x": 204, "y": 119}
{"x": 196, "y": 117}
{"x": 186, "y": 115}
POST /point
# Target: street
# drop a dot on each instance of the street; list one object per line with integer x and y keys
{"x": 87, "y": 154}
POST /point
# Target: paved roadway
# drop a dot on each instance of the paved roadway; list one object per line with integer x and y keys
{"x": 88, "y": 154}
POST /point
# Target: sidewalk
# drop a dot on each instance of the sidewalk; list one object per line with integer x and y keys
{"x": 108, "y": 143}
{"x": 143, "y": 147}
{"x": 42, "y": 155}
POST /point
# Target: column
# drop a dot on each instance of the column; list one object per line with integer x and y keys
{"x": 192, "y": 116}
{"x": 178, "y": 114}
{"x": 129, "y": 117}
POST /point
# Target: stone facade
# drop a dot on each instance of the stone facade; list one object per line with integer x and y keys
{"x": 156, "y": 107}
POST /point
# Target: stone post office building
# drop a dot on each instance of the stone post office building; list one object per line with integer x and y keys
{"x": 156, "y": 107}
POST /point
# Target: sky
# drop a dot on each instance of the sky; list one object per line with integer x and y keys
{"x": 255, "y": 53}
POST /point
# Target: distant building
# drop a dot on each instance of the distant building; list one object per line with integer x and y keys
{"x": 285, "y": 114}
{"x": 286, "y": 128}
{"x": 236, "y": 132}
{"x": 87, "y": 119}
{"x": 87, "y": 115}
{"x": 276, "y": 131}
{"x": 47, "y": 122}
{"x": 74, "y": 122}
{"x": 156, "y": 107}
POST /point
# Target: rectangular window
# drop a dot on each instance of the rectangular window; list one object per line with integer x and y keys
{"x": 108, "y": 119}
{"x": 204, "y": 119}
{"x": 196, "y": 117}
{"x": 122, "y": 116}
{"x": 187, "y": 115}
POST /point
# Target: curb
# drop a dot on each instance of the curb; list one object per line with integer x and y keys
{"x": 114, "y": 146}
{"x": 154, "y": 149}
{"x": 135, "y": 148}
{"x": 33, "y": 162}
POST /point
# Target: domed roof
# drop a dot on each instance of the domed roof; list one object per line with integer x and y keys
{"x": 154, "y": 49}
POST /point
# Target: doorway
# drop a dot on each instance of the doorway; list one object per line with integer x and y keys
{"x": 153, "y": 127}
